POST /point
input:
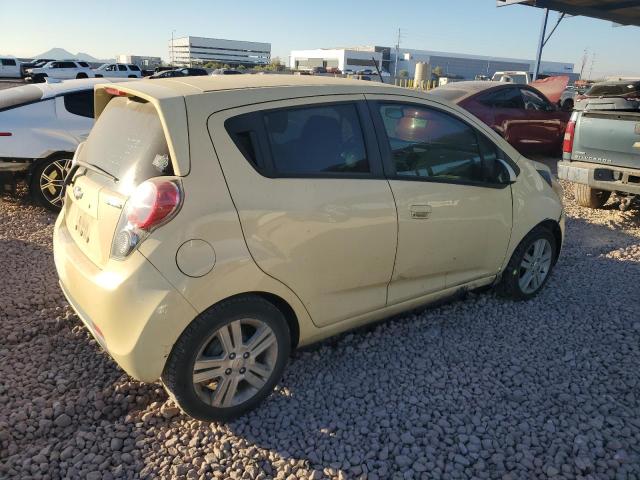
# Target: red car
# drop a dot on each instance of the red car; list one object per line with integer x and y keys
{"x": 521, "y": 114}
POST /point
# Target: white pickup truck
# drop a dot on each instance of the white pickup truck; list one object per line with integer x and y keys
{"x": 601, "y": 151}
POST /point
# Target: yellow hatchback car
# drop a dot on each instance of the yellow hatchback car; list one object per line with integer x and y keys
{"x": 212, "y": 224}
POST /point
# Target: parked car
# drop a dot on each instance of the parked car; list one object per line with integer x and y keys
{"x": 40, "y": 128}
{"x": 318, "y": 70}
{"x": 520, "y": 78}
{"x": 568, "y": 97}
{"x": 193, "y": 72}
{"x": 334, "y": 70}
{"x": 61, "y": 70}
{"x": 601, "y": 153}
{"x": 226, "y": 71}
{"x": 520, "y": 114}
{"x": 34, "y": 64}
{"x": 321, "y": 212}
{"x": 163, "y": 69}
{"x": 365, "y": 71}
{"x": 10, "y": 67}
{"x": 166, "y": 74}
{"x": 121, "y": 70}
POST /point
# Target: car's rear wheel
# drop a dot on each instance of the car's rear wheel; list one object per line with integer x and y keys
{"x": 82, "y": 75}
{"x": 39, "y": 78}
{"x": 590, "y": 197}
{"x": 530, "y": 265}
{"x": 47, "y": 182}
{"x": 228, "y": 359}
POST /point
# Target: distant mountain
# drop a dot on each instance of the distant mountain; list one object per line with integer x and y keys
{"x": 61, "y": 54}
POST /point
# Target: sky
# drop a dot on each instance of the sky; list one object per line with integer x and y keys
{"x": 144, "y": 27}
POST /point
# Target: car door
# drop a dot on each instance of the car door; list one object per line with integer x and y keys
{"x": 316, "y": 211}
{"x": 122, "y": 71}
{"x": 68, "y": 70}
{"x": 452, "y": 193}
{"x": 545, "y": 125}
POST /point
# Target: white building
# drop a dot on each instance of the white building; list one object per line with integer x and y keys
{"x": 145, "y": 63}
{"x": 458, "y": 65}
{"x": 356, "y": 58}
{"x": 187, "y": 51}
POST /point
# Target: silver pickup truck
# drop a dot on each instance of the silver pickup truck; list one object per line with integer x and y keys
{"x": 601, "y": 151}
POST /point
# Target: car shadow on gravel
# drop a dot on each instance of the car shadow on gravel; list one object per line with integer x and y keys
{"x": 479, "y": 387}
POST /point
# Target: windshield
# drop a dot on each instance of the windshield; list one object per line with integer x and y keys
{"x": 615, "y": 90}
{"x": 128, "y": 142}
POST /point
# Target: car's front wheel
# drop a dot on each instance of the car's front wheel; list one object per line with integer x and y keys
{"x": 82, "y": 75}
{"x": 47, "y": 182}
{"x": 530, "y": 265}
{"x": 228, "y": 359}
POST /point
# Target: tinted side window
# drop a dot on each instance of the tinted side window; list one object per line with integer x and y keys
{"x": 80, "y": 103}
{"x": 122, "y": 68}
{"x": 317, "y": 140}
{"x": 503, "y": 98}
{"x": 67, "y": 65}
{"x": 8, "y": 62}
{"x": 533, "y": 101}
{"x": 83, "y": 64}
{"x": 431, "y": 144}
{"x": 134, "y": 68}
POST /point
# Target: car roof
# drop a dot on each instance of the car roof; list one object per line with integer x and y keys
{"x": 40, "y": 91}
{"x": 457, "y": 91}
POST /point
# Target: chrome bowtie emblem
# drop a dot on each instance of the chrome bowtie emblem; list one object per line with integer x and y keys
{"x": 77, "y": 193}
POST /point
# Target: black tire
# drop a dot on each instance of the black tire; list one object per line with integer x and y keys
{"x": 510, "y": 282}
{"x": 132, "y": 76}
{"x": 590, "y": 197}
{"x": 39, "y": 78}
{"x": 82, "y": 75}
{"x": 179, "y": 369}
{"x": 52, "y": 197}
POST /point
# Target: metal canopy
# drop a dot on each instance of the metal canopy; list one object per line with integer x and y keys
{"x": 624, "y": 12}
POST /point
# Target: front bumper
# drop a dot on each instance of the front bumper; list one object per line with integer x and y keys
{"x": 129, "y": 307}
{"x": 601, "y": 177}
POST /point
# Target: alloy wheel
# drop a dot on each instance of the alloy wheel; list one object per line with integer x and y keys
{"x": 51, "y": 181}
{"x": 235, "y": 362}
{"x": 535, "y": 266}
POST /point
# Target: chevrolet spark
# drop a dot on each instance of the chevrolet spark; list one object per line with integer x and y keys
{"x": 211, "y": 225}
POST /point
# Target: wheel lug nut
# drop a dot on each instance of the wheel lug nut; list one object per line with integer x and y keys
{"x": 228, "y": 371}
{"x": 242, "y": 370}
{"x": 232, "y": 356}
{"x": 245, "y": 355}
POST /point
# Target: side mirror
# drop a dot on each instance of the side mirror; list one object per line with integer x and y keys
{"x": 511, "y": 174}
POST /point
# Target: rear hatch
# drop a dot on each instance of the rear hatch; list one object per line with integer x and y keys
{"x": 126, "y": 147}
{"x": 608, "y": 132}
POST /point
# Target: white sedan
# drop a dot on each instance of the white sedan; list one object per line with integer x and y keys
{"x": 118, "y": 70}
{"x": 40, "y": 128}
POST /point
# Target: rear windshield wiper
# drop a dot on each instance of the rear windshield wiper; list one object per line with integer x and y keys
{"x": 88, "y": 166}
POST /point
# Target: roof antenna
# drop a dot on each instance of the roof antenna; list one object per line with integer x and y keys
{"x": 375, "y": 64}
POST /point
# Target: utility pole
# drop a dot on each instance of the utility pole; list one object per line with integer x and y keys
{"x": 395, "y": 67}
{"x": 584, "y": 62}
{"x": 172, "y": 58}
{"x": 593, "y": 61}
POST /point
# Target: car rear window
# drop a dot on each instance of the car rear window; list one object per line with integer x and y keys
{"x": 83, "y": 64}
{"x": 128, "y": 142}
{"x": 615, "y": 90}
{"x": 135, "y": 68}
{"x": 8, "y": 62}
{"x": 16, "y": 96}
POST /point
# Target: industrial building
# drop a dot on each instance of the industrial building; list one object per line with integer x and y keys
{"x": 145, "y": 63}
{"x": 457, "y": 65}
{"x": 187, "y": 51}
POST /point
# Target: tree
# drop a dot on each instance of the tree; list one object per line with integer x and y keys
{"x": 403, "y": 74}
{"x": 241, "y": 67}
{"x": 437, "y": 71}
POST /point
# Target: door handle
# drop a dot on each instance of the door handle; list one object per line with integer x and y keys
{"x": 420, "y": 212}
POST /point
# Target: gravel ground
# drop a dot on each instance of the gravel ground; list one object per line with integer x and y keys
{"x": 477, "y": 388}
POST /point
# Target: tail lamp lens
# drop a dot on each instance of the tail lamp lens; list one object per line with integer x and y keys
{"x": 567, "y": 145}
{"x": 153, "y": 203}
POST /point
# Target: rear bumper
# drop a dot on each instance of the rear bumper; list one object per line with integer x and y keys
{"x": 601, "y": 177}
{"x": 129, "y": 307}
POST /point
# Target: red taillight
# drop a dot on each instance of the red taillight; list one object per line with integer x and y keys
{"x": 151, "y": 203}
{"x": 567, "y": 145}
{"x": 5, "y": 134}
{"x": 115, "y": 92}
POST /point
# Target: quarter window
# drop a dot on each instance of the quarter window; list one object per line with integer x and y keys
{"x": 325, "y": 139}
{"x": 8, "y": 62}
{"x": 122, "y": 68}
{"x": 80, "y": 103}
{"x": 503, "y": 98}
{"x": 430, "y": 144}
